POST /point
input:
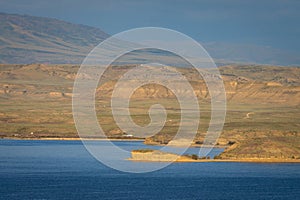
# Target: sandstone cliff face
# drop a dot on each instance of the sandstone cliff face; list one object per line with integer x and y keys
{"x": 242, "y": 84}
{"x": 241, "y": 92}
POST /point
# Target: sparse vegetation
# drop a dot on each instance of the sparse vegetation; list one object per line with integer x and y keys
{"x": 45, "y": 109}
{"x": 143, "y": 150}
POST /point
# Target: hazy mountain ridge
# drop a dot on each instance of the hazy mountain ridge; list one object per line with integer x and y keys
{"x": 251, "y": 53}
{"x": 26, "y": 39}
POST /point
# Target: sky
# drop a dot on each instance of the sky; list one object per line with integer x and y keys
{"x": 274, "y": 23}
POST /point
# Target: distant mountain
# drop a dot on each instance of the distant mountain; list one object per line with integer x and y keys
{"x": 251, "y": 53}
{"x": 26, "y": 39}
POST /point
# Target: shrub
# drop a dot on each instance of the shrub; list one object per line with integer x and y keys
{"x": 143, "y": 150}
{"x": 194, "y": 157}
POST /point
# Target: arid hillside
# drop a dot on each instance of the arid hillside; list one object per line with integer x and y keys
{"x": 263, "y": 106}
{"x": 244, "y": 84}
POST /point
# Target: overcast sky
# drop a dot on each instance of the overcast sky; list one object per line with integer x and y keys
{"x": 273, "y": 23}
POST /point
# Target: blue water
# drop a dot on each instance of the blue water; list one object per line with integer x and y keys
{"x": 65, "y": 170}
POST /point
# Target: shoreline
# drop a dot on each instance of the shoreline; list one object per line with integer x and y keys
{"x": 225, "y": 160}
{"x": 75, "y": 139}
{"x": 192, "y": 145}
{"x": 149, "y": 155}
{"x": 107, "y": 139}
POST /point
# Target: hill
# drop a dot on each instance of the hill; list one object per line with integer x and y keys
{"x": 28, "y": 39}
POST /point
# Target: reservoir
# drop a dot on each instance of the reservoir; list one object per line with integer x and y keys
{"x": 36, "y": 169}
